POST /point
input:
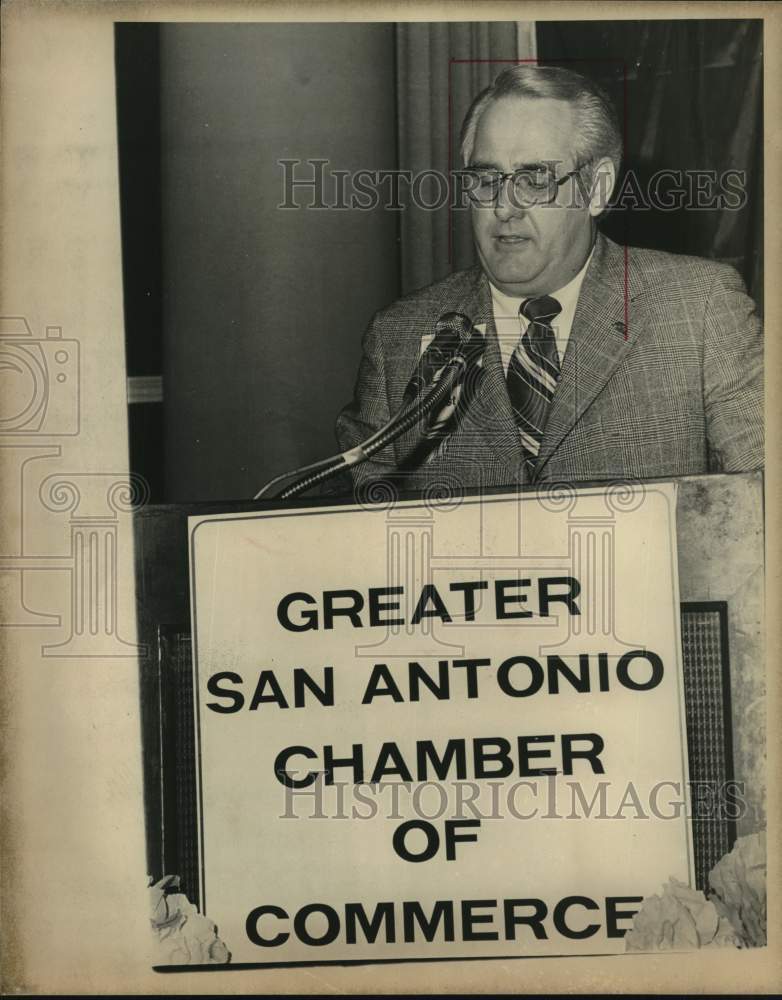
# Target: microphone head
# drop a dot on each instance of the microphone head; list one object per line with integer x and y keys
{"x": 464, "y": 340}
{"x": 454, "y": 337}
{"x": 454, "y": 326}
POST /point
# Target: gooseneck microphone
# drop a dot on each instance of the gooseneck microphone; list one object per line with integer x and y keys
{"x": 457, "y": 344}
{"x": 452, "y": 330}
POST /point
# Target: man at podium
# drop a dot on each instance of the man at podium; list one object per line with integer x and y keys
{"x": 599, "y": 361}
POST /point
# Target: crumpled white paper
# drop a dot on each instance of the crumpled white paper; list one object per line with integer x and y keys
{"x": 680, "y": 919}
{"x": 733, "y": 915}
{"x": 738, "y": 888}
{"x": 182, "y": 935}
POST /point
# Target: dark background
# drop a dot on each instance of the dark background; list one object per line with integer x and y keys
{"x": 243, "y": 322}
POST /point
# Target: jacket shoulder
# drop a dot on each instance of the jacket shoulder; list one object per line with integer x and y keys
{"x": 657, "y": 268}
{"x": 435, "y": 298}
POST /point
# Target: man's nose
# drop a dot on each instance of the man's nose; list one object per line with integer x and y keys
{"x": 507, "y": 204}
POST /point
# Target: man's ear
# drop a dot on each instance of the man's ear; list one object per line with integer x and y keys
{"x": 603, "y": 181}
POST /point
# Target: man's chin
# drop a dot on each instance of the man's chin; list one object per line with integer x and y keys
{"x": 515, "y": 282}
{"x": 517, "y": 268}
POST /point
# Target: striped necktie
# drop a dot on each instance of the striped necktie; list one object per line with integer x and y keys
{"x": 533, "y": 373}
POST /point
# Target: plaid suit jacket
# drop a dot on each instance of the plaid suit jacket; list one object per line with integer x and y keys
{"x": 662, "y": 377}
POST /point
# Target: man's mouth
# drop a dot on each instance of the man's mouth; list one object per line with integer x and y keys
{"x": 511, "y": 240}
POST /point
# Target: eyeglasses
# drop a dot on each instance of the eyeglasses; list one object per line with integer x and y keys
{"x": 536, "y": 186}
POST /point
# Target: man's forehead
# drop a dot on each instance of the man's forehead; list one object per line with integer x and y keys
{"x": 517, "y": 131}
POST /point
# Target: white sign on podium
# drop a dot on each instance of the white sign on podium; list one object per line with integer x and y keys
{"x": 439, "y": 731}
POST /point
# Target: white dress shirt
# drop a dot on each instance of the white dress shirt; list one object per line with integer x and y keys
{"x": 511, "y": 325}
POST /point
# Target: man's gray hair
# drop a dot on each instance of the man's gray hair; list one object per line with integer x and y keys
{"x": 598, "y": 132}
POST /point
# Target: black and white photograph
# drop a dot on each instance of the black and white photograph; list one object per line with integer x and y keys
{"x": 389, "y": 461}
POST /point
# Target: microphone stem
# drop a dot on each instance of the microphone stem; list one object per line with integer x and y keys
{"x": 397, "y": 426}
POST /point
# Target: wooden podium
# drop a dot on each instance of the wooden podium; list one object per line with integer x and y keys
{"x": 720, "y": 550}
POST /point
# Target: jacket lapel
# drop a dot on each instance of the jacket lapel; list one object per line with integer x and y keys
{"x": 598, "y": 343}
{"x": 487, "y": 426}
{"x": 489, "y": 423}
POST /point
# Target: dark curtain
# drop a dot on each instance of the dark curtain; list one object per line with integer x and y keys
{"x": 690, "y": 96}
{"x": 440, "y": 69}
